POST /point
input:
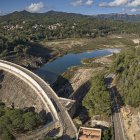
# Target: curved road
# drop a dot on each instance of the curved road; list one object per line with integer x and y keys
{"x": 69, "y": 129}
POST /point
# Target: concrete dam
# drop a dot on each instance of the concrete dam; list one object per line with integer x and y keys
{"x": 25, "y": 89}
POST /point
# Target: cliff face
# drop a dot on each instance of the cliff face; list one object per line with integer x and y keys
{"x": 131, "y": 122}
{"x": 15, "y": 91}
{"x": 74, "y": 85}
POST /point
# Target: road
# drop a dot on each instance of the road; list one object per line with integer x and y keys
{"x": 69, "y": 129}
{"x": 116, "y": 116}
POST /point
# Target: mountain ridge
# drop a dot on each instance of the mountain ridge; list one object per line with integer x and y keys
{"x": 116, "y": 16}
{"x": 25, "y": 15}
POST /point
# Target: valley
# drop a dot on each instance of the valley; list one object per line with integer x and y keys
{"x": 91, "y": 72}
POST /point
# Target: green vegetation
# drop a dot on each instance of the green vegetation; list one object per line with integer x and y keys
{"x": 50, "y": 138}
{"x": 90, "y": 62}
{"x": 97, "y": 100}
{"x": 107, "y": 134}
{"x": 20, "y": 31}
{"x": 108, "y": 41}
{"x": 13, "y": 121}
{"x": 127, "y": 69}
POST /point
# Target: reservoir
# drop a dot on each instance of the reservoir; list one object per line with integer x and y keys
{"x": 50, "y": 71}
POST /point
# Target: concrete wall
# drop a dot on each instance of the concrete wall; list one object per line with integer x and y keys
{"x": 33, "y": 84}
{"x": 14, "y": 90}
{"x": 64, "y": 118}
{"x": 69, "y": 104}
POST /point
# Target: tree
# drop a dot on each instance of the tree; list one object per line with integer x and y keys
{"x": 16, "y": 121}
{"x": 97, "y": 100}
{"x": 31, "y": 120}
{"x": 107, "y": 134}
{"x": 127, "y": 69}
{"x": 6, "y": 136}
{"x": 16, "y": 118}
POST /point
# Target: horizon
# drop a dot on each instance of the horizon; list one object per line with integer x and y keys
{"x": 84, "y": 7}
{"x": 71, "y": 13}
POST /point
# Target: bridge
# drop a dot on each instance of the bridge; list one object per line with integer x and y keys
{"x": 48, "y": 97}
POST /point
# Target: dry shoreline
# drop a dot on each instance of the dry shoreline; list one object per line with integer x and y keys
{"x": 52, "y": 50}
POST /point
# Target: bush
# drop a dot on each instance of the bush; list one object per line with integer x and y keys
{"x": 31, "y": 120}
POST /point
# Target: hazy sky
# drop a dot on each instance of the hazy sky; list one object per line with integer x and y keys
{"x": 88, "y": 7}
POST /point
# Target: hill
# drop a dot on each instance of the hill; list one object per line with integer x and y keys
{"x": 27, "y": 16}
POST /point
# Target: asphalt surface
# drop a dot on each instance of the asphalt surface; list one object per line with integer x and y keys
{"x": 116, "y": 118}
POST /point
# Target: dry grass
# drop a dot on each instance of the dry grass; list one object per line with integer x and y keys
{"x": 76, "y": 45}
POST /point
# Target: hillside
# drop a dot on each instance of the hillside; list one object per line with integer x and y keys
{"x": 22, "y": 33}
{"x": 25, "y": 15}
{"x": 45, "y": 17}
{"x": 127, "y": 69}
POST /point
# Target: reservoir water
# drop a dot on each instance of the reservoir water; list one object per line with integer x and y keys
{"x": 50, "y": 71}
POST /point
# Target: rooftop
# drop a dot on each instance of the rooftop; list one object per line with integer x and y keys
{"x": 89, "y": 134}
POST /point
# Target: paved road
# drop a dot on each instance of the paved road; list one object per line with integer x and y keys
{"x": 116, "y": 116}
{"x": 69, "y": 129}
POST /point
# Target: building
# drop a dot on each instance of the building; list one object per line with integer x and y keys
{"x": 89, "y": 134}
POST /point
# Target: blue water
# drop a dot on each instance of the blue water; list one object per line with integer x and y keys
{"x": 50, "y": 71}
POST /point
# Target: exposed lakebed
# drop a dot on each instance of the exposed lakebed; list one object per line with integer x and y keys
{"x": 50, "y": 71}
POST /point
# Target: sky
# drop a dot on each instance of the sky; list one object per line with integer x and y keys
{"x": 87, "y": 7}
